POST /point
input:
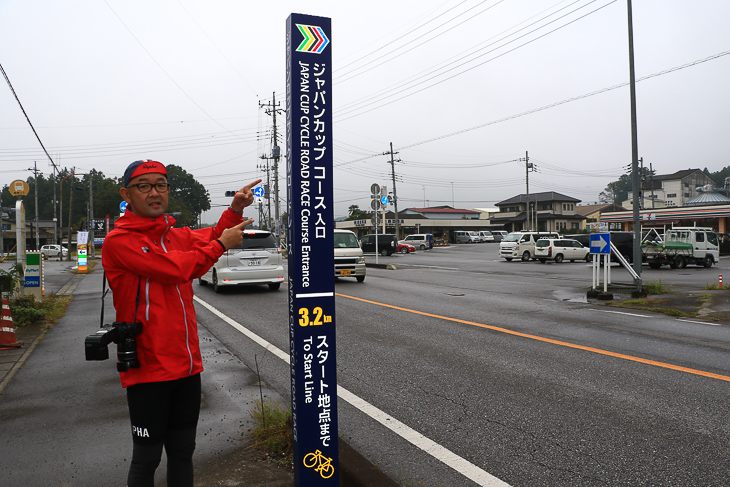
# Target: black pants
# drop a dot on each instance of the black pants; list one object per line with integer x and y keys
{"x": 163, "y": 414}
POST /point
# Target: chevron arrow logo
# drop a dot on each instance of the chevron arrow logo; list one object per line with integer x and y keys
{"x": 314, "y": 39}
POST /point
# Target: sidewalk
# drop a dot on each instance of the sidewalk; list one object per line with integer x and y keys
{"x": 64, "y": 420}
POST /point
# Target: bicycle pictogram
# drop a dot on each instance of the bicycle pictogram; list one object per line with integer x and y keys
{"x": 324, "y": 464}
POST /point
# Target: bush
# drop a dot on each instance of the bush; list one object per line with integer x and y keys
{"x": 26, "y": 309}
{"x": 273, "y": 431}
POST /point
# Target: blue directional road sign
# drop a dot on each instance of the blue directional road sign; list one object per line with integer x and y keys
{"x": 384, "y": 200}
{"x": 600, "y": 243}
{"x": 258, "y": 191}
{"x": 123, "y": 206}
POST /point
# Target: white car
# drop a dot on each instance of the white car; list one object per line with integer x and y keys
{"x": 560, "y": 249}
{"x": 53, "y": 251}
{"x": 256, "y": 261}
{"x": 486, "y": 236}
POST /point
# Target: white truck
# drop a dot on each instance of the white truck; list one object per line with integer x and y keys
{"x": 682, "y": 246}
{"x": 521, "y": 245}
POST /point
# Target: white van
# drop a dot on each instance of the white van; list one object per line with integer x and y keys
{"x": 486, "y": 236}
{"x": 349, "y": 259}
{"x": 521, "y": 245}
{"x": 461, "y": 236}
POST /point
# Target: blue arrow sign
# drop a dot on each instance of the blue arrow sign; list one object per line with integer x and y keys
{"x": 600, "y": 243}
{"x": 123, "y": 206}
{"x": 384, "y": 200}
{"x": 258, "y": 191}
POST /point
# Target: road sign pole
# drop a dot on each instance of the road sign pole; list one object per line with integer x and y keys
{"x": 310, "y": 213}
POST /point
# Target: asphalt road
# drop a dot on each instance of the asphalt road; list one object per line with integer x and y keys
{"x": 510, "y": 372}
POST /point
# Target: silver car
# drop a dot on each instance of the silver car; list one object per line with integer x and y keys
{"x": 256, "y": 261}
{"x": 54, "y": 251}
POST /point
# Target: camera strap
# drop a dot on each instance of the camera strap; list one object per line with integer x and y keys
{"x": 104, "y": 291}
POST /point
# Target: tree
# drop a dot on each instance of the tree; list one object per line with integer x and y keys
{"x": 356, "y": 213}
{"x": 618, "y": 191}
{"x": 187, "y": 196}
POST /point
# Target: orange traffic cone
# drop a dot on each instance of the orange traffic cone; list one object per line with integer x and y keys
{"x": 7, "y": 330}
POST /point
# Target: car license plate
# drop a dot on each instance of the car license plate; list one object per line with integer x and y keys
{"x": 345, "y": 272}
{"x": 254, "y": 262}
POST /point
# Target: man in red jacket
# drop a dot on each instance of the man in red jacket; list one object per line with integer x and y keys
{"x": 150, "y": 266}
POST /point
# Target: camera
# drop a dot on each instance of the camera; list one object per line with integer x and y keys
{"x": 123, "y": 334}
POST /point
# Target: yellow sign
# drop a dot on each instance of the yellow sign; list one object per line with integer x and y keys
{"x": 19, "y": 188}
{"x": 320, "y": 463}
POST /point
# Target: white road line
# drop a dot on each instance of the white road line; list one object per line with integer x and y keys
{"x": 444, "y": 455}
{"x": 700, "y": 322}
{"x": 434, "y": 267}
{"x": 621, "y": 313}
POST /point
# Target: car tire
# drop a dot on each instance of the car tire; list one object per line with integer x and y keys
{"x": 360, "y": 278}
{"x": 572, "y": 260}
{"x": 558, "y": 258}
{"x": 589, "y": 258}
{"x": 655, "y": 265}
{"x": 404, "y": 250}
{"x": 708, "y": 261}
{"x": 508, "y": 259}
{"x": 542, "y": 261}
{"x": 526, "y": 256}
{"x": 384, "y": 252}
{"x": 202, "y": 282}
{"x": 216, "y": 287}
{"x": 274, "y": 286}
{"x": 422, "y": 247}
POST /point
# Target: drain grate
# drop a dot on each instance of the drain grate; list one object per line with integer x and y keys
{"x": 454, "y": 294}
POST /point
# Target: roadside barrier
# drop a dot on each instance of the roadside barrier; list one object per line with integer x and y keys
{"x": 7, "y": 330}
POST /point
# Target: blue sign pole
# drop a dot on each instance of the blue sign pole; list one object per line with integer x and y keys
{"x": 311, "y": 250}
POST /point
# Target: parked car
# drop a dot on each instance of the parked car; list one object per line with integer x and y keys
{"x": 461, "y": 236}
{"x": 498, "y": 235}
{"x": 349, "y": 259}
{"x": 256, "y": 261}
{"x": 521, "y": 245}
{"x": 559, "y": 249}
{"x": 405, "y": 248}
{"x": 422, "y": 241}
{"x": 486, "y": 236}
{"x": 387, "y": 243}
{"x": 53, "y": 251}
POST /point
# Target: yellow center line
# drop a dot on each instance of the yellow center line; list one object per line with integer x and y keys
{"x": 549, "y": 340}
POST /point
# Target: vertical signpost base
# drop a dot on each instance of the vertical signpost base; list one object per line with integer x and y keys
{"x": 311, "y": 251}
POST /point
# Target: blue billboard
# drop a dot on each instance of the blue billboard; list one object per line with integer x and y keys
{"x": 310, "y": 241}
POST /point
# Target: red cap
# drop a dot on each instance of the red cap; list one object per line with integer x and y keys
{"x": 138, "y": 168}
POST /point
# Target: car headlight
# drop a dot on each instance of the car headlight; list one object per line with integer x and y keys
{"x": 361, "y": 259}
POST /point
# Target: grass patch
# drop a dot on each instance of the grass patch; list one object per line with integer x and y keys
{"x": 26, "y": 309}
{"x": 272, "y": 433}
{"x": 713, "y": 286}
{"x": 705, "y": 298}
{"x": 651, "y": 304}
{"x": 656, "y": 287}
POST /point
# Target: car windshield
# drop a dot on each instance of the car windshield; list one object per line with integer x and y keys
{"x": 513, "y": 237}
{"x": 411, "y": 237}
{"x": 257, "y": 241}
{"x": 346, "y": 241}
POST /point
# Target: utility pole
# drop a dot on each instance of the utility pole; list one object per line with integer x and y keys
{"x": 35, "y": 179}
{"x": 266, "y": 217}
{"x": 528, "y": 167}
{"x": 651, "y": 182}
{"x": 276, "y": 155}
{"x": 634, "y": 151}
{"x": 395, "y": 194}
{"x": 70, "y": 213}
{"x": 91, "y": 214}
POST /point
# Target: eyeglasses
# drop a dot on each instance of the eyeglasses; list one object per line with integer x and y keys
{"x": 147, "y": 187}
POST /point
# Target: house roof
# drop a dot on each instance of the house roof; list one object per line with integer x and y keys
{"x": 521, "y": 217}
{"x": 442, "y": 210}
{"x": 604, "y": 207}
{"x": 655, "y": 182}
{"x": 538, "y": 197}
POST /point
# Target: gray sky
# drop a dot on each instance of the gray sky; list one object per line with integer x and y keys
{"x": 457, "y": 86}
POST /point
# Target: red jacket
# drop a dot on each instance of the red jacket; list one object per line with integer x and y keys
{"x": 167, "y": 259}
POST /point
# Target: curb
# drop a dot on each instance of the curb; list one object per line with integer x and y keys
{"x": 357, "y": 471}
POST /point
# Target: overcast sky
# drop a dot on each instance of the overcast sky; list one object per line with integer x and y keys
{"x": 461, "y": 88}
